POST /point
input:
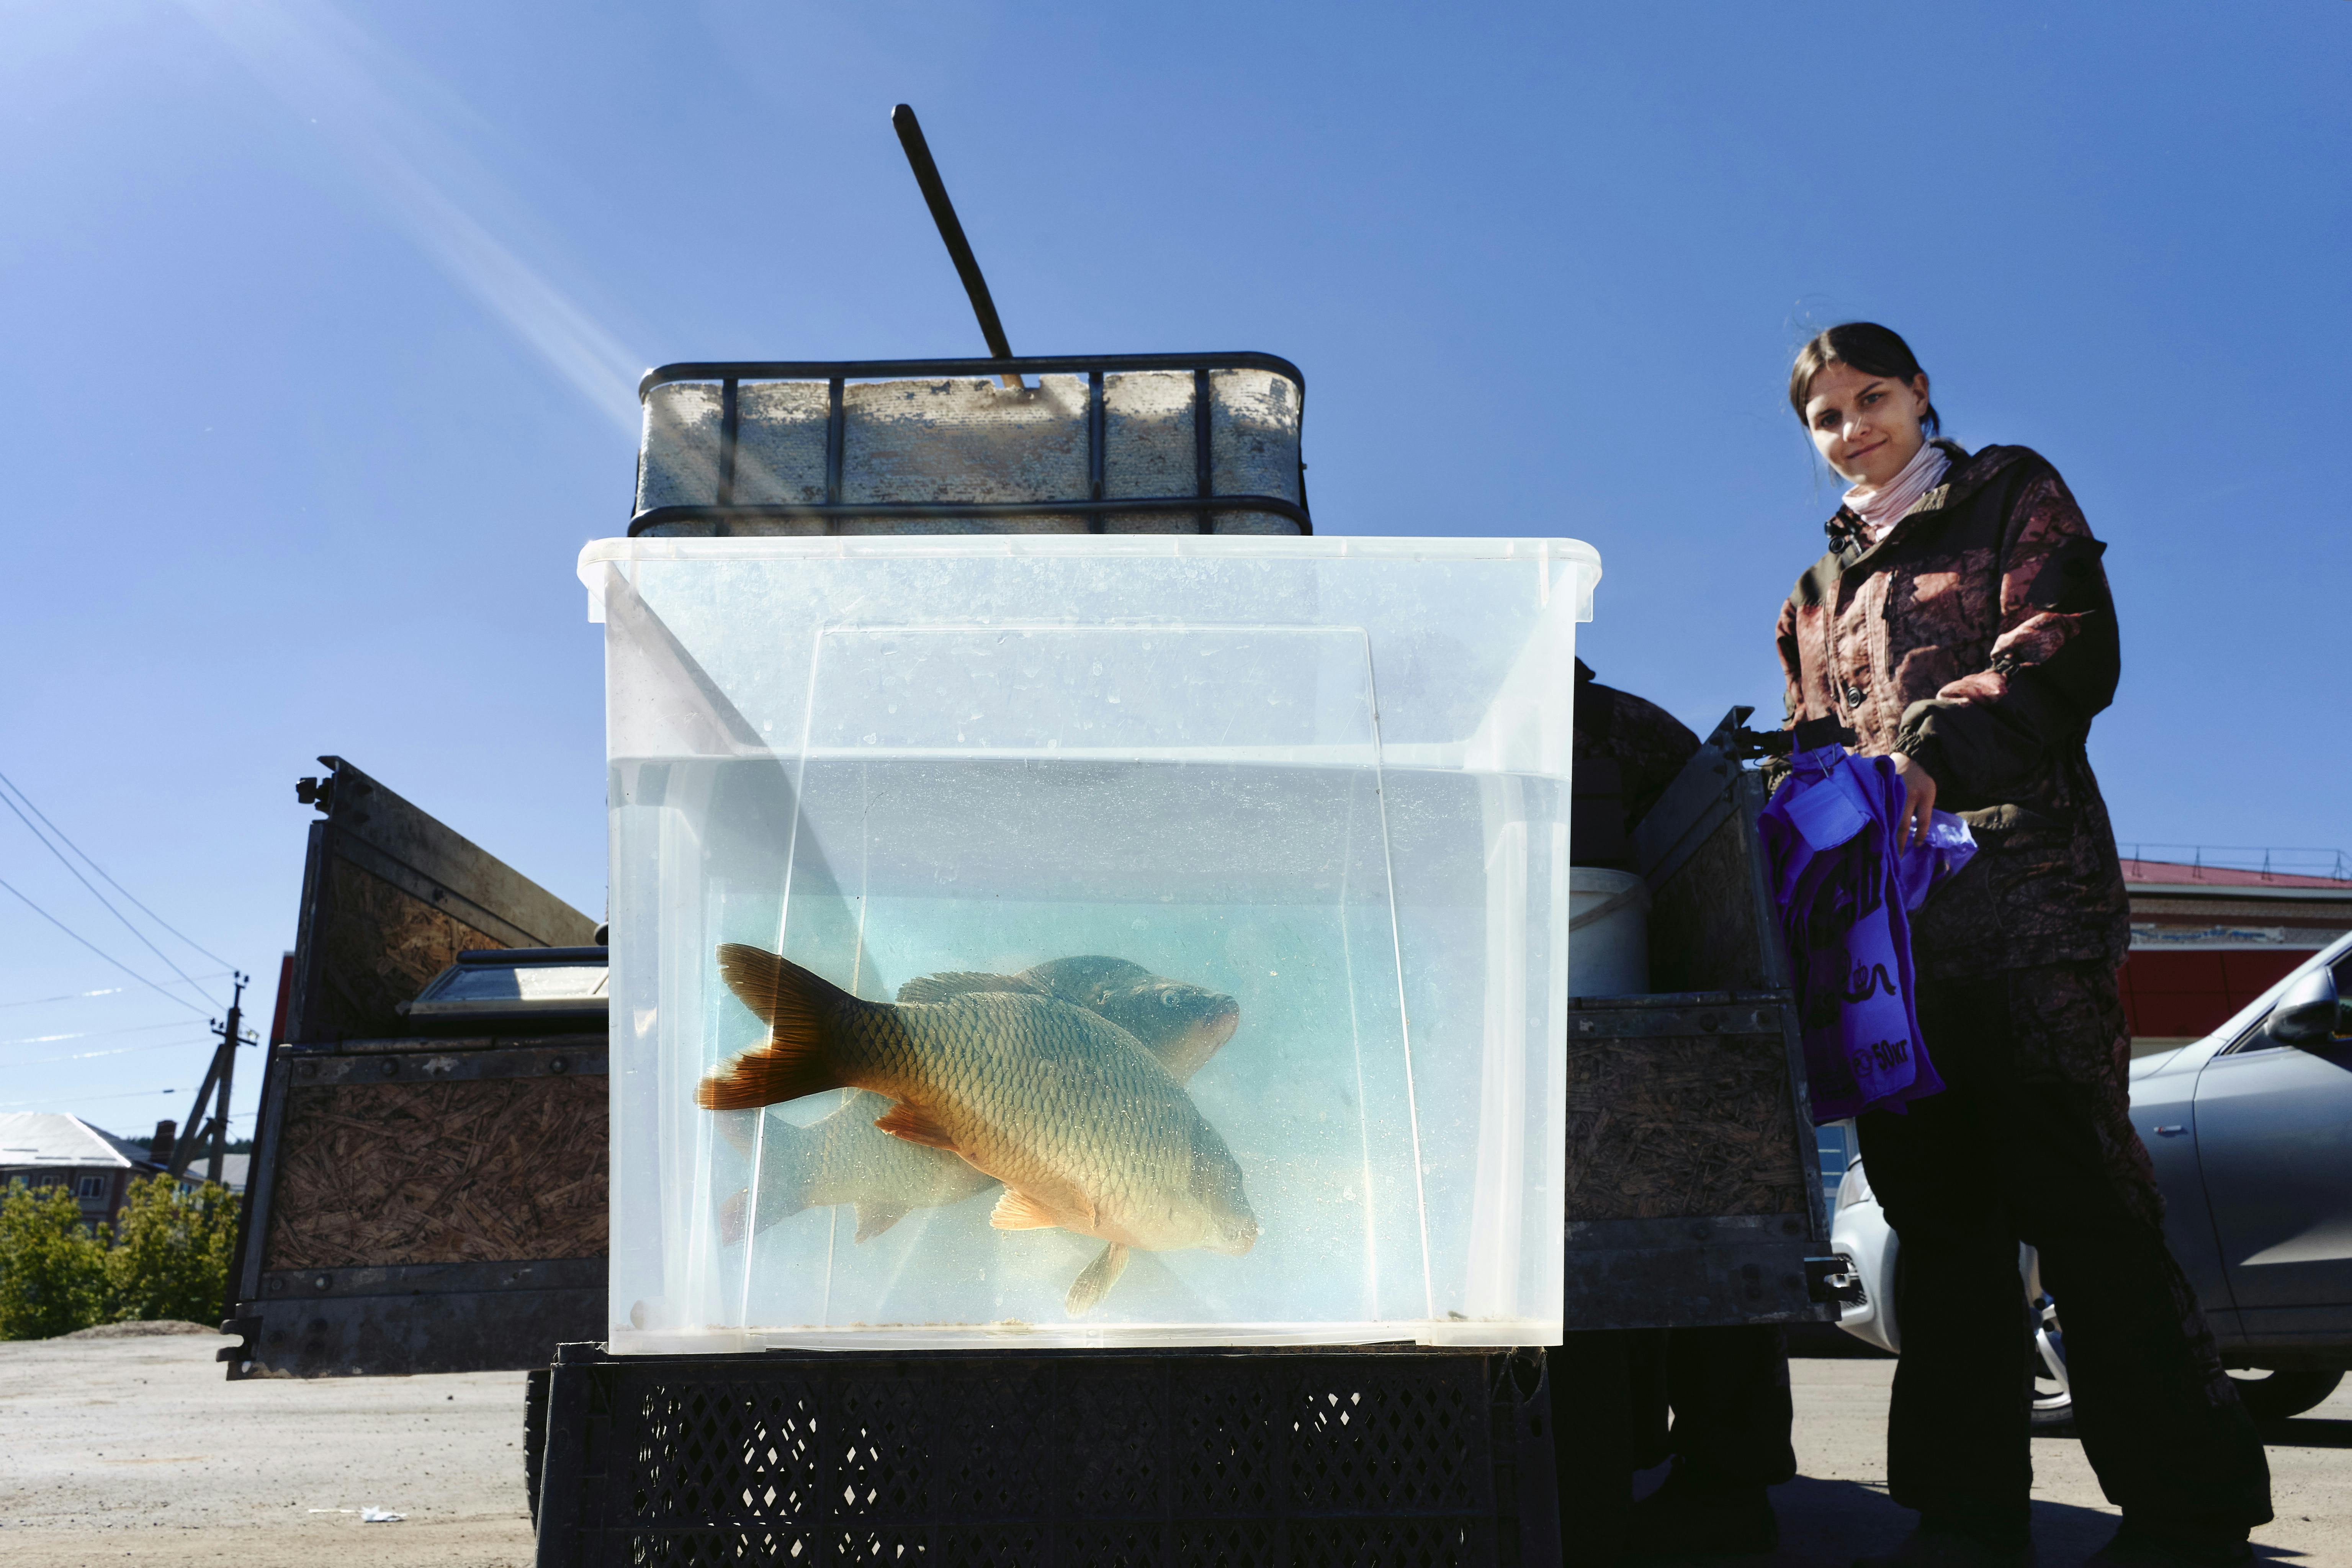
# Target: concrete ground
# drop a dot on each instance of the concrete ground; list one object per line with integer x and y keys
{"x": 1837, "y": 1507}
{"x": 135, "y": 1450}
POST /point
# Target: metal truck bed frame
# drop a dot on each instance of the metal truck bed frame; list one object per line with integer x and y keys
{"x": 396, "y": 1219}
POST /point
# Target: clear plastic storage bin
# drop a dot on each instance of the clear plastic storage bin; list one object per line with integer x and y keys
{"x": 1192, "y": 912}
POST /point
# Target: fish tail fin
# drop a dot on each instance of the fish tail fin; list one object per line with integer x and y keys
{"x": 1091, "y": 1286}
{"x": 873, "y": 1219}
{"x": 787, "y": 1160}
{"x": 740, "y": 1129}
{"x": 798, "y": 1009}
{"x": 786, "y": 1167}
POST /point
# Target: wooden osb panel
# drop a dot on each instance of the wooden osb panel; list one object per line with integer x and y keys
{"x": 1703, "y": 935}
{"x": 1665, "y": 1127}
{"x": 383, "y": 945}
{"x": 482, "y": 1171}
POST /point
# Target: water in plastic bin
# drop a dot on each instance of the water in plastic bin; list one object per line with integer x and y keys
{"x": 1071, "y": 982}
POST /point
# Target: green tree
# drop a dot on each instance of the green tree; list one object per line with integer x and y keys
{"x": 53, "y": 1271}
{"x": 171, "y": 1253}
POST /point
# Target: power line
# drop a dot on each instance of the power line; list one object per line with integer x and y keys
{"x": 101, "y": 952}
{"x": 116, "y": 1051}
{"x": 101, "y": 991}
{"x": 111, "y": 882}
{"x": 127, "y": 1094}
{"x": 92, "y": 1034}
{"x": 94, "y": 893}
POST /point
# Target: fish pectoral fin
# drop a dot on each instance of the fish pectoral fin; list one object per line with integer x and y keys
{"x": 1094, "y": 1283}
{"x": 873, "y": 1219}
{"x": 1019, "y": 1211}
{"x": 916, "y": 1125}
{"x": 730, "y": 1217}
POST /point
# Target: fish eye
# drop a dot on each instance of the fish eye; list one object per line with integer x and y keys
{"x": 1170, "y": 999}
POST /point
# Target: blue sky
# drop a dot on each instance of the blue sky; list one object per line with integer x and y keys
{"x": 322, "y": 320}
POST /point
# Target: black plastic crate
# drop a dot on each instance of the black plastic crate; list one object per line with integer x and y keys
{"x": 1265, "y": 1458}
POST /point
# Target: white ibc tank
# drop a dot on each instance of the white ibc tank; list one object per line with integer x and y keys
{"x": 967, "y": 440}
{"x": 1609, "y": 925}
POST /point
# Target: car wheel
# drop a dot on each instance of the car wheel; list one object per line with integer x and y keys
{"x": 2290, "y": 1390}
{"x": 2053, "y": 1396}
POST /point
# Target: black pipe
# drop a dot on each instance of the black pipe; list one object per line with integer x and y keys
{"x": 943, "y": 212}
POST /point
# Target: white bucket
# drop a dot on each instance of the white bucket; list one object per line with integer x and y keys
{"x": 1607, "y": 932}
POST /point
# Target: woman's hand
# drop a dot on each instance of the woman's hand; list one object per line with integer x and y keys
{"x": 1918, "y": 801}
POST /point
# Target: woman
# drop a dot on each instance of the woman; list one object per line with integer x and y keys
{"x": 1960, "y": 622}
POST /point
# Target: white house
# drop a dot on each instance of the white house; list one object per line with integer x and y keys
{"x": 47, "y": 1148}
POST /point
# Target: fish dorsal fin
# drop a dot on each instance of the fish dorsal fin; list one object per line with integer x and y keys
{"x": 1088, "y": 1290}
{"x": 933, "y": 988}
{"x": 1019, "y": 1211}
{"x": 917, "y": 1125}
{"x": 798, "y": 1008}
{"x": 1086, "y": 980}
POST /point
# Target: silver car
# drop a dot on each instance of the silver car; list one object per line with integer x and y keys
{"x": 2250, "y": 1131}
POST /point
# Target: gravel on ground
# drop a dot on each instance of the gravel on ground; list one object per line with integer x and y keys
{"x": 1837, "y": 1507}
{"x": 134, "y": 1449}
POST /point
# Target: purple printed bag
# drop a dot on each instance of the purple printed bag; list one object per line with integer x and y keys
{"x": 1845, "y": 898}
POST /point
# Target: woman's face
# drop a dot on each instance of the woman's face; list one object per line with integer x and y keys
{"x": 1865, "y": 426}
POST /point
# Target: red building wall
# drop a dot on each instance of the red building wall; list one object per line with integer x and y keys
{"x": 2192, "y": 991}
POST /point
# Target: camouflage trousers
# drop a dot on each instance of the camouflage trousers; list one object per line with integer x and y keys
{"x": 2033, "y": 1141}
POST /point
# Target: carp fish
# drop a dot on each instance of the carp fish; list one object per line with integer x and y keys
{"x": 1182, "y": 1025}
{"x": 1087, "y": 1130}
{"x": 842, "y": 1158}
{"x": 845, "y": 1158}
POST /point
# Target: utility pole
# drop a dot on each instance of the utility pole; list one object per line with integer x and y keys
{"x": 221, "y": 1075}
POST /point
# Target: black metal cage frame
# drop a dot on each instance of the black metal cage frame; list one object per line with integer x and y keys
{"x": 719, "y": 519}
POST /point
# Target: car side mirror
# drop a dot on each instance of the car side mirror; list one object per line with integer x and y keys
{"x": 2307, "y": 1013}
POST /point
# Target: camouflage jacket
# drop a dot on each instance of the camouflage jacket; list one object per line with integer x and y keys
{"x": 1978, "y": 638}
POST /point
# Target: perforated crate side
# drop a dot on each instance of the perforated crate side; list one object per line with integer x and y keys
{"x": 1281, "y": 1459}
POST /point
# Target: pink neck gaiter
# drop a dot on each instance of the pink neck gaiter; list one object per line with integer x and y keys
{"x": 1880, "y": 509}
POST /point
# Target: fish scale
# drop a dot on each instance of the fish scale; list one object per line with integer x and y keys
{"x": 1047, "y": 1098}
{"x": 1081, "y": 1108}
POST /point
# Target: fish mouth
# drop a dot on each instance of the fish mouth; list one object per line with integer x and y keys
{"x": 1187, "y": 1051}
{"x": 1236, "y": 1240}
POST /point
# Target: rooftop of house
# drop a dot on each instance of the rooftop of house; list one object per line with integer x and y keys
{"x": 35, "y": 1140}
{"x": 2178, "y": 874}
{"x": 233, "y": 1169}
